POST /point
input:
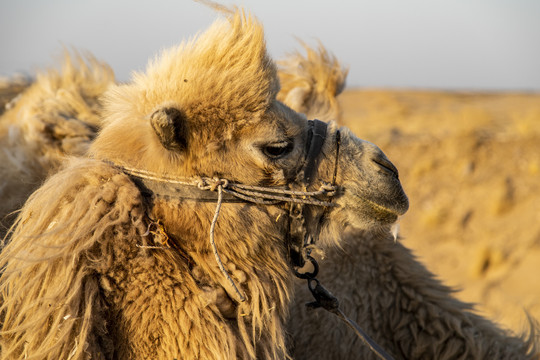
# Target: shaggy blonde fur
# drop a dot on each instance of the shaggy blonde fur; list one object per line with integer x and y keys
{"x": 391, "y": 295}
{"x": 93, "y": 270}
{"x": 110, "y": 292}
{"x": 400, "y": 305}
{"x": 57, "y": 115}
{"x": 61, "y": 241}
{"x": 311, "y": 83}
{"x": 84, "y": 233}
{"x": 10, "y": 88}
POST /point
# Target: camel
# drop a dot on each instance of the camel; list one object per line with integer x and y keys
{"x": 57, "y": 116}
{"x": 309, "y": 85}
{"x": 173, "y": 236}
{"x": 393, "y": 297}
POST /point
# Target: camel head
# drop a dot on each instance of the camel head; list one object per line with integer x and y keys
{"x": 208, "y": 108}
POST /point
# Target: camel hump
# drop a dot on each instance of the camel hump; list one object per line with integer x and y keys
{"x": 310, "y": 83}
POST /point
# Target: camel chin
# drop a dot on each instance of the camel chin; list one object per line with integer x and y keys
{"x": 365, "y": 214}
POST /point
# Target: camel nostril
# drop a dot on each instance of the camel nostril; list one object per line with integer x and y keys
{"x": 386, "y": 166}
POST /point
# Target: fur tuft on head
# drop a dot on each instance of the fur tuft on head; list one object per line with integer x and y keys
{"x": 219, "y": 80}
{"x": 310, "y": 83}
{"x": 218, "y": 7}
{"x": 225, "y": 70}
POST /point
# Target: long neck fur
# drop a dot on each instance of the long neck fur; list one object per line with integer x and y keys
{"x": 255, "y": 259}
{"x": 82, "y": 277}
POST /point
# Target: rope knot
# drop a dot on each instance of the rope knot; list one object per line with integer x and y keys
{"x": 328, "y": 189}
{"x": 212, "y": 184}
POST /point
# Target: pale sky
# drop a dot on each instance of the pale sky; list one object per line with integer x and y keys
{"x": 433, "y": 44}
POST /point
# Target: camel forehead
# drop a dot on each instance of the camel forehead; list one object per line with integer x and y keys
{"x": 226, "y": 68}
{"x": 279, "y": 121}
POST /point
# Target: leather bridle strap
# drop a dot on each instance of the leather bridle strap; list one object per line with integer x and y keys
{"x": 315, "y": 142}
{"x": 299, "y": 217}
{"x": 169, "y": 189}
{"x": 152, "y": 188}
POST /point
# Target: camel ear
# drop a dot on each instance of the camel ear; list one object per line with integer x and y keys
{"x": 170, "y": 126}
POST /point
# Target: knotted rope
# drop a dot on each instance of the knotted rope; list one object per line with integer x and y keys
{"x": 214, "y": 247}
{"x": 249, "y": 193}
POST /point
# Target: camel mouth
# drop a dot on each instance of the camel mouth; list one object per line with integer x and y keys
{"x": 382, "y": 213}
{"x": 386, "y": 198}
{"x": 373, "y": 207}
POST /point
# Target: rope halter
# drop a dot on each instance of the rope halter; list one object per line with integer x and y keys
{"x": 301, "y": 232}
{"x": 204, "y": 189}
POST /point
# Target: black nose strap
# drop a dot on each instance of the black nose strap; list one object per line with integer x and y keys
{"x": 315, "y": 142}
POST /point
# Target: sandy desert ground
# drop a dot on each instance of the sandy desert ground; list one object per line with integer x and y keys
{"x": 470, "y": 163}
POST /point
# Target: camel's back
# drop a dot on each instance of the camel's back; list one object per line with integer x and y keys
{"x": 55, "y": 116}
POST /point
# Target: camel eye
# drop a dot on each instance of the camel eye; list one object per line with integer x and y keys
{"x": 277, "y": 150}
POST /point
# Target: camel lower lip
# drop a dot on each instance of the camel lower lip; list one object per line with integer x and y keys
{"x": 385, "y": 217}
{"x": 382, "y": 213}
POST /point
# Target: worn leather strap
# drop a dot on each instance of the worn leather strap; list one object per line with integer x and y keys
{"x": 151, "y": 188}
{"x": 298, "y": 232}
{"x": 315, "y": 142}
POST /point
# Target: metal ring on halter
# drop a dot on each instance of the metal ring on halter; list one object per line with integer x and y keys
{"x": 309, "y": 275}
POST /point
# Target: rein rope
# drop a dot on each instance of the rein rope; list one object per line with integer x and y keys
{"x": 214, "y": 247}
{"x": 326, "y": 300}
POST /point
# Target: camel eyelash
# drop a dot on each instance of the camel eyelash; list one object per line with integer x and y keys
{"x": 278, "y": 149}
